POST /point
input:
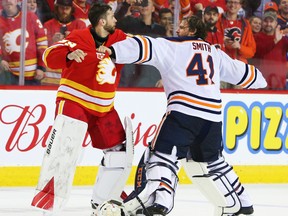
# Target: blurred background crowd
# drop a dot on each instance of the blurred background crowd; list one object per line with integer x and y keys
{"x": 254, "y": 32}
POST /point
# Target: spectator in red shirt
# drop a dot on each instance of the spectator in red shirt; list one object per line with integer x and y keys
{"x": 271, "y": 50}
{"x": 63, "y": 23}
{"x": 57, "y": 29}
{"x": 238, "y": 37}
{"x": 214, "y": 36}
{"x": 36, "y": 43}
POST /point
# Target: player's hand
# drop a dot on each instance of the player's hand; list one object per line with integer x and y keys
{"x": 77, "y": 55}
{"x": 104, "y": 49}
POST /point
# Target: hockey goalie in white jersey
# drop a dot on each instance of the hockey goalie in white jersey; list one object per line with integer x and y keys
{"x": 191, "y": 129}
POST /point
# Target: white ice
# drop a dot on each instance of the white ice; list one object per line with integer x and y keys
{"x": 269, "y": 200}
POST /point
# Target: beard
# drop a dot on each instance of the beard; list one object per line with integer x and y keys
{"x": 109, "y": 28}
{"x": 65, "y": 18}
{"x": 268, "y": 30}
{"x": 210, "y": 23}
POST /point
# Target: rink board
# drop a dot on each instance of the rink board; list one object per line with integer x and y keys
{"x": 254, "y": 133}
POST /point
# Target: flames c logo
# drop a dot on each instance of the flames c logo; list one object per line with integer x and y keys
{"x": 10, "y": 41}
{"x": 233, "y": 33}
{"x": 106, "y": 71}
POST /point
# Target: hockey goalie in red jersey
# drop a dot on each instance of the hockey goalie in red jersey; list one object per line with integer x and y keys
{"x": 85, "y": 102}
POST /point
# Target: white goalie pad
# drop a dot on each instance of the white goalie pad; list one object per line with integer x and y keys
{"x": 112, "y": 177}
{"x": 156, "y": 183}
{"x": 58, "y": 167}
{"x": 214, "y": 186}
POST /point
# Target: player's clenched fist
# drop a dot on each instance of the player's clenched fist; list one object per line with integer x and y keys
{"x": 104, "y": 49}
{"x": 77, "y": 55}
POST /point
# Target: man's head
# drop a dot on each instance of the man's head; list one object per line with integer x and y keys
{"x": 165, "y": 16}
{"x": 283, "y": 7}
{"x": 148, "y": 10}
{"x": 10, "y": 7}
{"x": 211, "y": 15}
{"x": 269, "y": 22}
{"x": 63, "y": 10}
{"x": 102, "y": 16}
{"x": 233, "y": 6}
{"x": 192, "y": 26}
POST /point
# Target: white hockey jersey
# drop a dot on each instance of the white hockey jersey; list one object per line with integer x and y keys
{"x": 191, "y": 70}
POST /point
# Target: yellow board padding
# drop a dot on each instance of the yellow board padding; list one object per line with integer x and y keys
{"x": 85, "y": 175}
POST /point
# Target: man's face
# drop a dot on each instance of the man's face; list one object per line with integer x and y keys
{"x": 269, "y": 25}
{"x": 283, "y": 6}
{"x": 166, "y": 19}
{"x": 148, "y": 10}
{"x": 211, "y": 18}
{"x": 183, "y": 29}
{"x": 110, "y": 22}
{"x": 9, "y": 4}
{"x": 233, "y": 6}
{"x": 64, "y": 13}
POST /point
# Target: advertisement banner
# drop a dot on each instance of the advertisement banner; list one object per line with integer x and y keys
{"x": 254, "y": 126}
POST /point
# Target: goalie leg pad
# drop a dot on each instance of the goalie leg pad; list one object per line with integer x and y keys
{"x": 114, "y": 171}
{"x": 218, "y": 182}
{"x": 161, "y": 177}
{"x": 58, "y": 167}
{"x": 111, "y": 178}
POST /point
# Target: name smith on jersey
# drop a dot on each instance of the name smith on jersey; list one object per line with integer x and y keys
{"x": 201, "y": 46}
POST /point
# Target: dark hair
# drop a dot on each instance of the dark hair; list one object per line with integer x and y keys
{"x": 97, "y": 12}
{"x": 196, "y": 24}
{"x": 163, "y": 11}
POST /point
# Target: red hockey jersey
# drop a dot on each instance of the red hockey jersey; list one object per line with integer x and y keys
{"x": 36, "y": 43}
{"x": 86, "y": 83}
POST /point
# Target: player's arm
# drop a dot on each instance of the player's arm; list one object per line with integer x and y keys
{"x": 55, "y": 57}
{"x": 238, "y": 73}
{"x": 134, "y": 50}
{"x": 62, "y": 54}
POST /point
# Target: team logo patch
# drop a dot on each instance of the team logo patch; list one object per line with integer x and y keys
{"x": 233, "y": 33}
{"x": 106, "y": 71}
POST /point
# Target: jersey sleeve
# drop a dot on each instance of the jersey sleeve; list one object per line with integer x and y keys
{"x": 54, "y": 56}
{"x": 238, "y": 73}
{"x": 135, "y": 50}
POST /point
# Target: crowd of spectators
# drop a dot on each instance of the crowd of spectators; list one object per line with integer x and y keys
{"x": 250, "y": 31}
